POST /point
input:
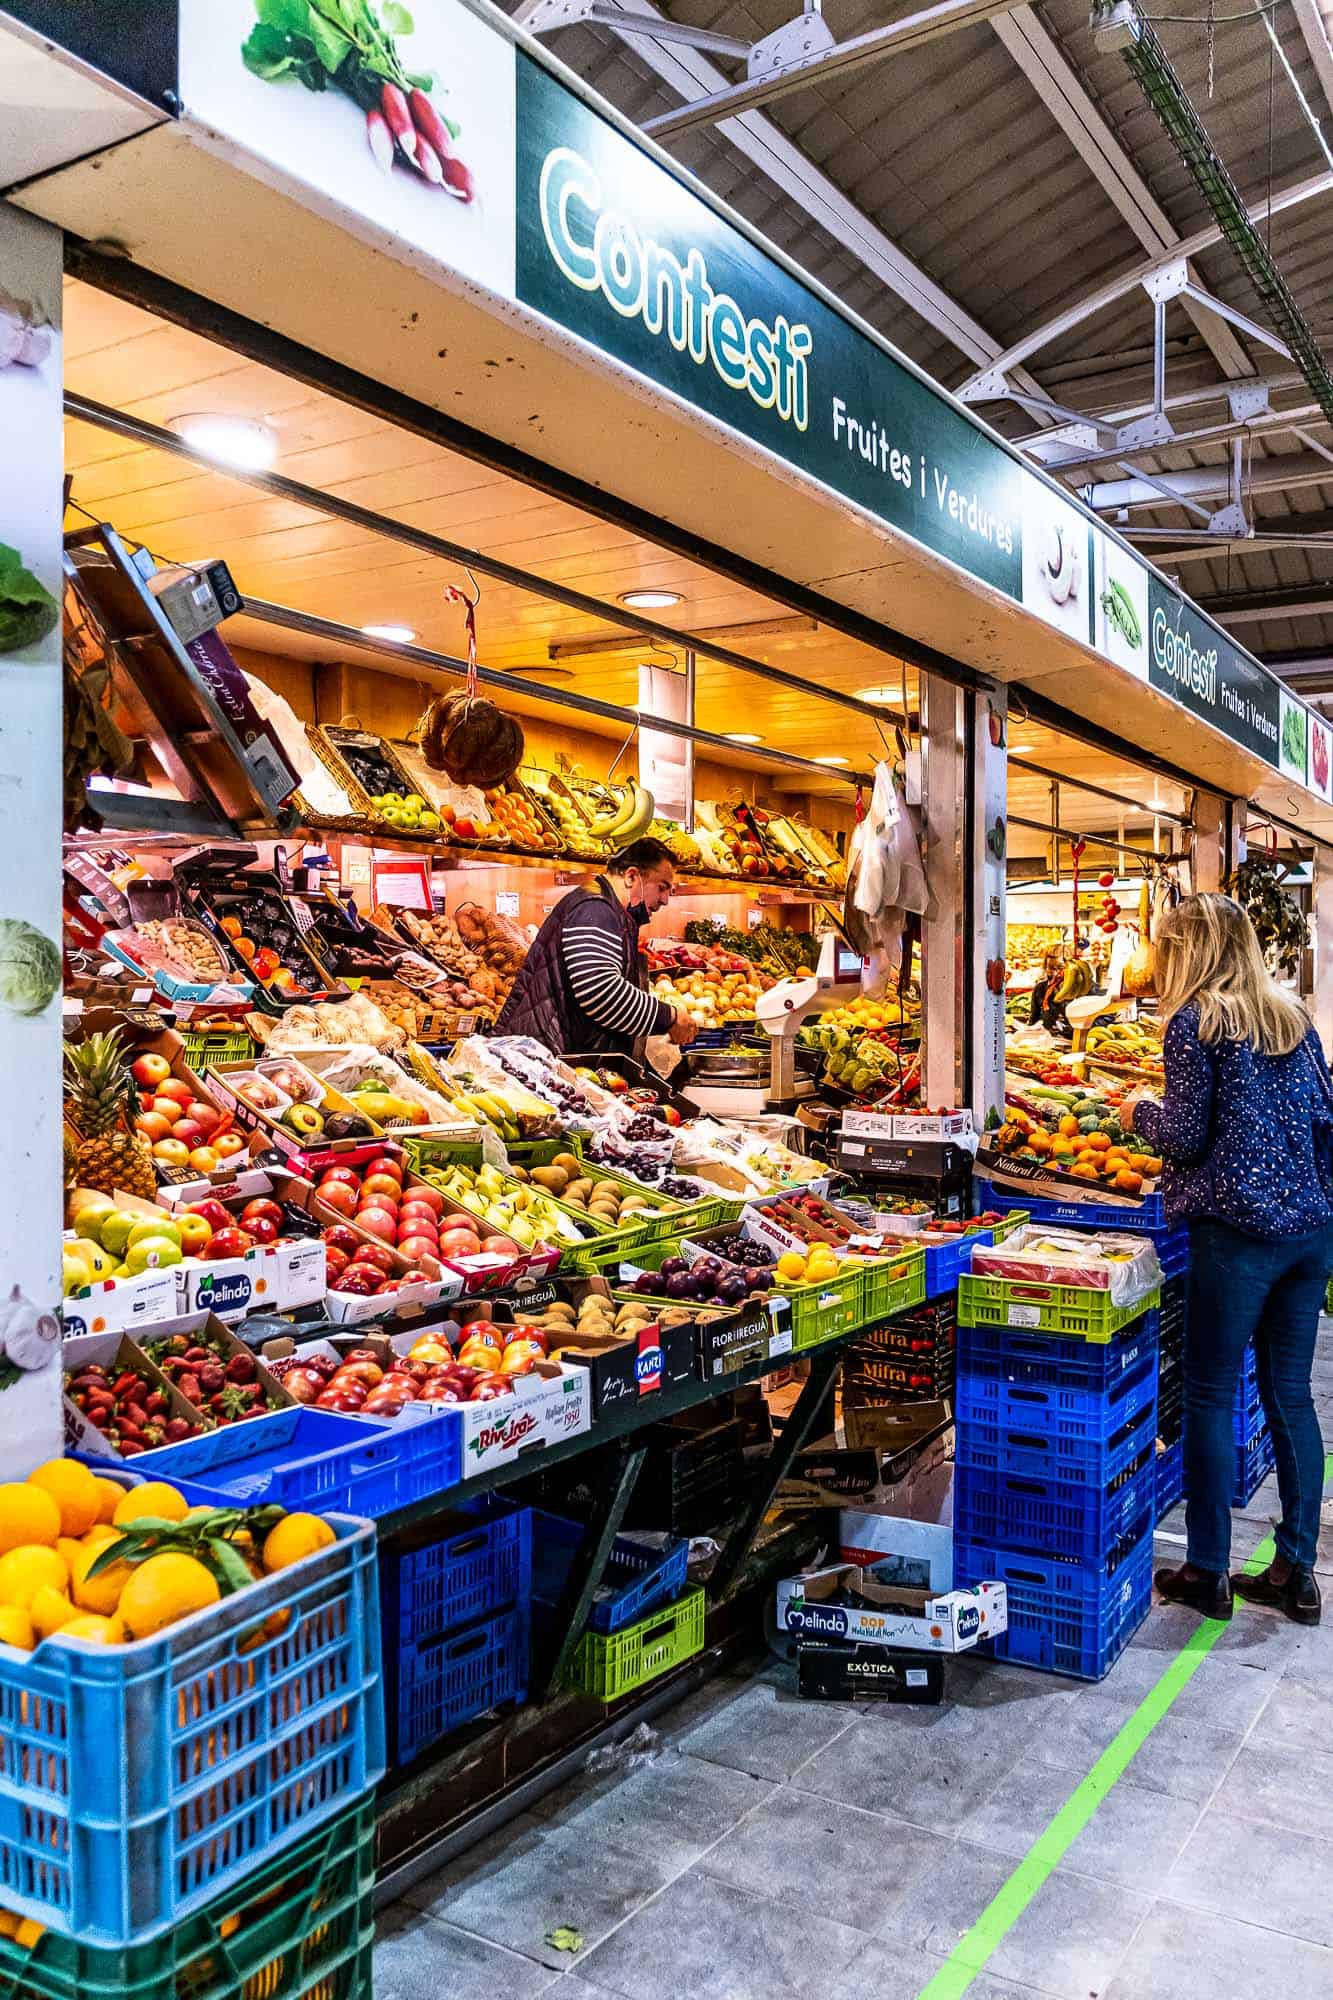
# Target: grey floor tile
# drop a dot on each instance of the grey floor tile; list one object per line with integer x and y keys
{"x": 1291, "y": 1788}
{"x": 1071, "y": 1937}
{"x": 1133, "y": 1837}
{"x": 707, "y": 1940}
{"x": 832, "y": 1858}
{"x": 1225, "y": 1692}
{"x": 1015, "y": 1811}
{"x": 888, "y": 1972}
{"x": 1180, "y": 1954}
{"x": 1084, "y": 1728}
{"x": 1185, "y": 1758}
{"x": 766, "y": 1731}
{"x": 940, "y": 1907}
{"x": 1300, "y": 1714}
{"x": 417, "y": 1958}
{"x": 907, "y": 1773}
{"x": 1259, "y": 1874}
{"x": 668, "y": 1811}
{"x": 541, "y": 1882}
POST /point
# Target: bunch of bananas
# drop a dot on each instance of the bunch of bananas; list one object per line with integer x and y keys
{"x": 617, "y": 814}
{"x": 1076, "y": 984}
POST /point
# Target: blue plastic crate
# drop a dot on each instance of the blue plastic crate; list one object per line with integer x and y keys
{"x": 1248, "y": 1418}
{"x": 139, "y": 1782}
{"x": 316, "y": 1459}
{"x": 445, "y": 1682}
{"x": 1173, "y": 1251}
{"x": 481, "y": 1566}
{"x": 1007, "y": 1354}
{"x": 1170, "y": 1477}
{"x": 945, "y": 1260}
{"x": 1254, "y": 1462}
{"x": 1147, "y": 1217}
{"x": 1056, "y": 1433}
{"x": 643, "y": 1570}
{"x": 1067, "y": 1519}
{"x": 1064, "y": 1618}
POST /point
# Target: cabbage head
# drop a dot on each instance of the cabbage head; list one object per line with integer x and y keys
{"x": 27, "y": 609}
{"x": 30, "y": 968}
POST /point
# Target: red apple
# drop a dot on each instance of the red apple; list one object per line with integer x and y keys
{"x": 339, "y": 1197}
{"x": 150, "y": 1071}
{"x": 502, "y": 1246}
{"x": 459, "y": 1241}
{"x": 414, "y": 1248}
{"x": 377, "y": 1221}
{"x": 230, "y": 1242}
{"x": 335, "y": 1262}
{"x": 378, "y": 1254}
{"x": 360, "y": 1280}
{"x": 347, "y": 1174}
{"x": 228, "y": 1144}
{"x": 167, "y": 1107}
{"x": 490, "y": 1388}
{"x": 382, "y": 1164}
{"x": 206, "y": 1115}
{"x": 413, "y": 1210}
{"x": 214, "y": 1214}
{"x": 262, "y": 1229}
{"x": 260, "y": 1207}
{"x": 153, "y": 1126}
{"x": 341, "y": 1236}
{"x": 386, "y": 1185}
{"x": 421, "y": 1191}
{"x": 177, "y": 1088}
{"x": 390, "y": 1285}
{"x": 189, "y": 1131}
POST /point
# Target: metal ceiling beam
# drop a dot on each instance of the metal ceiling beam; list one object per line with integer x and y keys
{"x": 1254, "y": 607}
{"x": 946, "y": 17}
{"x": 1060, "y": 89}
{"x": 691, "y": 75}
{"x": 1312, "y": 26}
{"x": 1273, "y": 423}
{"x": 1265, "y": 474}
{"x": 977, "y": 389}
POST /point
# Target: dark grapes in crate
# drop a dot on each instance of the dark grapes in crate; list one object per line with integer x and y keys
{"x": 705, "y": 1281}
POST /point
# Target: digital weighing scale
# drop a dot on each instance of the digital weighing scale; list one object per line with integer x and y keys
{"x": 740, "y": 1083}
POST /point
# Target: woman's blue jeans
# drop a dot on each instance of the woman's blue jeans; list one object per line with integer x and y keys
{"x": 1242, "y": 1288}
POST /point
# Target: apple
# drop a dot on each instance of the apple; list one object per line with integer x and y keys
{"x": 167, "y": 1107}
{"x": 342, "y": 1236}
{"x": 261, "y": 1207}
{"x": 338, "y": 1196}
{"x": 383, "y": 1184}
{"x": 419, "y": 1191}
{"x": 262, "y": 1229}
{"x": 214, "y": 1214}
{"x": 230, "y": 1242}
{"x": 382, "y": 1164}
{"x": 459, "y": 1241}
{"x": 189, "y": 1131}
{"x": 378, "y": 1254}
{"x": 229, "y": 1144}
{"x": 177, "y": 1088}
{"x": 414, "y": 1248}
{"x": 502, "y": 1246}
{"x": 490, "y": 1388}
{"x": 171, "y": 1153}
{"x": 206, "y": 1115}
{"x": 152, "y": 1253}
{"x": 348, "y": 1174}
{"x": 361, "y": 1280}
{"x": 195, "y": 1232}
{"x": 419, "y": 1211}
{"x": 376, "y": 1221}
{"x": 153, "y": 1126}
{"x": 150, "y": 1071}
{"x": 205, "y": 1159}
{"x": 390, "y": 1285}
{"x": 335, "y": 1262}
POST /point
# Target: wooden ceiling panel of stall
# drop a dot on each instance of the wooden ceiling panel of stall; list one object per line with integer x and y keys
{"x": 121, "y": 356}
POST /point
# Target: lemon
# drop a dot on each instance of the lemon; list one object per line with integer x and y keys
{"x": 163, "y": 1590}
{"x": 295, "y": 1537}
{"x": 99, "y": 1593}
{"x": 27, "y": 1515}
{"x": 155, "y": 1499}
{"x": 74, "y": 1491}
{"x": 49, "y": 1610}
{"x": 25, "y": 1570}
{"x": 16, "y": 1628}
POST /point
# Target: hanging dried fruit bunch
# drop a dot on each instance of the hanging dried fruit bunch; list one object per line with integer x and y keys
{"x": 1281, "y": 927}
{"x": 94, "y": 743}
{"x": 471, "y": 740}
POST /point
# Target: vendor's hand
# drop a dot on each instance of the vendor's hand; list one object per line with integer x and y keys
{"x": 682, "y": 1031}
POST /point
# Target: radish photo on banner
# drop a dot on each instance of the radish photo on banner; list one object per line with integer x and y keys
{"x": 400, "y": 112}
{"x": 30, "y": 830}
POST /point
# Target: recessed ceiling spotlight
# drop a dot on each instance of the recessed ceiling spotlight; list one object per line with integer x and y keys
{"x": 880, "y": 694}
{"x": 828, "y": 760}
{"x": 650, "y": 600}
{"x": 243, "y": 442}
{"x": 740, "y": 736}
{"x": 401, "y": 635}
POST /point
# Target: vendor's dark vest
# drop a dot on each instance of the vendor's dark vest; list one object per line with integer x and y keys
{"x": 541, "y": 1002}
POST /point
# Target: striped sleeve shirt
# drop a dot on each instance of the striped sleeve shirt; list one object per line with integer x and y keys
{"x": 593, "y": 950}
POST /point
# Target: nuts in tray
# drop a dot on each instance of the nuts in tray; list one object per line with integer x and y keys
{"x": 175, "y": 945}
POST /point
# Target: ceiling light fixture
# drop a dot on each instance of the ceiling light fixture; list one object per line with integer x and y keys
{"x": 828, "y": 760}
{"x": 879, "y": 694}
{"x": 401, "y": 635}
{"x": 245, "y": 442}
{"x": 740, "y": 736}
{"x": 650, "y": 600}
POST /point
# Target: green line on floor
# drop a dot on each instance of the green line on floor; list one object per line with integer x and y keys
{"x": 972, "y": 1952}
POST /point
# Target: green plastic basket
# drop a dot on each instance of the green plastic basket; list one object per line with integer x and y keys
{"x": 299, "y": 1927}
{"x": 1077, "y": 1312}
{"x": 216, "y": 1045}
{"x": 612, "y": 1664}
{"x": 821, "y": 1312}
{"x": 1014, "y": 1220}
{"x": 892, "y": 1285}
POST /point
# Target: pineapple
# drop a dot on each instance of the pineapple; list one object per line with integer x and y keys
{"x": 111, "y": 1154}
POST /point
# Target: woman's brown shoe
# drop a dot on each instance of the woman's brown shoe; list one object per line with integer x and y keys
{"x": 1297, "y": 1596}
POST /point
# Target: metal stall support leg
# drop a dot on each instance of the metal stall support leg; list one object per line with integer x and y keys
{"x": 824, "y": 1363}
{"x": 572, "y": 1611}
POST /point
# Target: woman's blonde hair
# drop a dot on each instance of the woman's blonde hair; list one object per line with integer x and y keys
{"x": 1207, "y": 952}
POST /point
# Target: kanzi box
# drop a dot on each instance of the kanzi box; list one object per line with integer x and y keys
{"x": 845, "y": 1602}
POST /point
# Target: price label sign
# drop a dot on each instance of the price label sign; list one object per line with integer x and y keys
{"x": 506, "y": 902}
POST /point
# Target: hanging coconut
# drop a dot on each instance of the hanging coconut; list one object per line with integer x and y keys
{"x": 471, "y": 740}
{"x": 1140, "y": 973}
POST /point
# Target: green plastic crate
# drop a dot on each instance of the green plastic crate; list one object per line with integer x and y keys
{"x": 889, "y": 1288}
{"x": 1077, "y": 1312}
{"x": 612, "y": 1664}
{"x": 299, "y": 1927}
{"x": 216, "y": 1045}
{"x": 1014, "y": 1220}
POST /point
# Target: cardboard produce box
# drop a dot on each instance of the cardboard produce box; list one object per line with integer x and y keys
{"x": 281, "y": 1275}
{"x": 222, "y": 1079}
{"x": 207, "y": 1330}
{"x": 115, "y": 1352}
{"x": 887, "y": 1463}
{"x": 621, "y": 1369}
{"x": 545, "y": 1407}
{"x": 122, "y": 1305}
{"x": 876, "y": 1614}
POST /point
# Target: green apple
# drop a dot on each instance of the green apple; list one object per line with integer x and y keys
{"x": 115, "y": 1231}
{"x": 429, "y": 822}
{"x": 74, "y": 1274}
{"x": 152, "y": 1253}
{"x": 154, "y": 1226}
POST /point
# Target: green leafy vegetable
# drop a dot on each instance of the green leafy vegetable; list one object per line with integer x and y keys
{"x": 30, "y": 968}
{"x": 27, "y": 609}
{"x": 1293, "y": 736}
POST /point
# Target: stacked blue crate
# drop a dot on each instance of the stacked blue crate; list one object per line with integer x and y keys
{"x": 1055, "y": 1488}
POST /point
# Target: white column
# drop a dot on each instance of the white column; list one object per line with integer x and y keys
{"x": 989, "y": 779}
{"x": 1321, "y": 1004}
{"x": 31, "y": 470}
{"x": 942, "y": 1082}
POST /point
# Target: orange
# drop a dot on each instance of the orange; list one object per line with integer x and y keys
{"x": 1127, "y": 1182}
{"x": 74, "y": 1491}
{"x": 1098, "y": 1142}
{"x": 99, "y": 1593}
{"x": 155, "y": 1499}
{"x": 49, "y": 1610}
{"x": 164, "y": 1590}
{"x": 1068, "y": 1126}
{"x": 1061, "y": 1149}
{"x": 27, "y": 1515}
{"x": 1083, "y": 1170}
{"x": 26, "y": 1570}
{"x": 109, "y": 1496}
{"x": 1040, "y": 1142}
{"x": 295, "y": 1537}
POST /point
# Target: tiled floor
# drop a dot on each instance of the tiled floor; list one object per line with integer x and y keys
{"x": 775, "y": 1847}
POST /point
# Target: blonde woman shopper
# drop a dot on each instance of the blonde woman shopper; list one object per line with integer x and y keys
{"x": 1245, "y": 1131}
